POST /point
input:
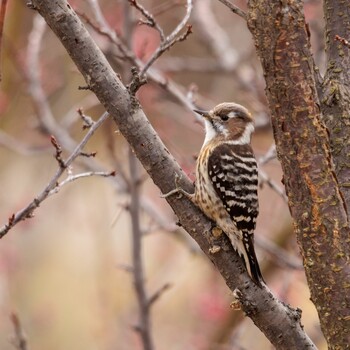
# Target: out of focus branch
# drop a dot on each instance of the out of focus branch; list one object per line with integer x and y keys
{"x": 214, "y": 36}
{"x": 19, "y": 339}
{"x": 268, "y": 156}
{"x": 144, "y": 326}
{"x": 280, "y": 256}
{"x": 265, "y": 179}
{"x": 235, "y": 9}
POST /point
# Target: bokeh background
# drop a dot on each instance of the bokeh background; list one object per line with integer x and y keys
{"x": 66, "y": 274}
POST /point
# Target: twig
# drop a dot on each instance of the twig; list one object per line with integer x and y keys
{"x": 171, "y": 39}
{"x": 87, "y": 121}
{"x": 27, "y": 212}
{"x": 41, "y": 105}
{"x": 342, "y": 40}
{"x": 88, "y": 154}
{"x": 235, "y": 9}
{"x": 72, "y": 178}
{"x": 281, "y": 256}
{"x": 144, "y": 326}
{"x": 103, "y": 28}
{"x": 151, "y": 22}
{"x": 58, "y": 153}
{"x": 265, "y": 179}
{"x": 19, "y": 339}
{"x": 269, "y": 155}
{"x": 158, "y": 294}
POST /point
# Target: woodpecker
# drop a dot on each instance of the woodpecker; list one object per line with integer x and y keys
{"x": 227, "y": 179}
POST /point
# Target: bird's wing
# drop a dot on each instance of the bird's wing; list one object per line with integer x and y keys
{"x": 232, "y": 170}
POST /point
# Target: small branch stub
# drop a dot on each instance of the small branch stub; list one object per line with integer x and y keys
{"x": 58, "y": 153}
{"x": 87, "y": 121}
{"x": 136, "y": 82}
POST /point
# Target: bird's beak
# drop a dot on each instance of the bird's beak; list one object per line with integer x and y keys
{"x": 204, "y": 114}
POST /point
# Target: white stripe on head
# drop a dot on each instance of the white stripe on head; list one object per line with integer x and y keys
{"x": 245, "y": 137}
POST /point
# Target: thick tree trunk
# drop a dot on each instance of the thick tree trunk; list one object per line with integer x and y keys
{"x": 312, "y": 182}
{"x": 335, "y": 90}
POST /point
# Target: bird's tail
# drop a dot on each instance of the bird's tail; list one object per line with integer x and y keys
{"x": 251, "y": 262}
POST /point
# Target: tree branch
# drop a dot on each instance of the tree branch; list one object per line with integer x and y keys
{"x": 280, "y": 323}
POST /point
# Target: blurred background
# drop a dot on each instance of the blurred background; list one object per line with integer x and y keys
{"x": 67, "y": 276}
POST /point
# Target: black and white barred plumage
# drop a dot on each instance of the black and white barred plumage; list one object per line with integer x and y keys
{"x": 227, "y": 179}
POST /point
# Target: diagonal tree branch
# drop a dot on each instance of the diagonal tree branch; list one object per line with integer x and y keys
{"x": 279, "y": 322}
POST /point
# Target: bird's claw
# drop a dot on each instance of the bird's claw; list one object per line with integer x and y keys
{"x": 177, "y": 190}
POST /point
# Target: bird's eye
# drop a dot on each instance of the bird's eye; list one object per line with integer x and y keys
{"x": 224, "y": 117}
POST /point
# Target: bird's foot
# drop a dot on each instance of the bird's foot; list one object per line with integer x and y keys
{"x": 178, "y": 190}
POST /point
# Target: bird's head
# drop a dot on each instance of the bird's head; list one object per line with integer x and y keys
{"x": 228, "y": 121}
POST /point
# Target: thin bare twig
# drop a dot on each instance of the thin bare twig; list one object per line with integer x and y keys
{"x": 151, "y": 22}
{"x": 269, "y": 155}
{"x": 171, "y": 39}
{"x": 144, "y": 326}
{"x": 265, "y": 179}
{"x": 87, "y": 121}
{"x": 280, "y": 256}
{"x": 27, "y": 212}
{"x": 58, "y": 153}
{"x": 153, "y": 298}
{"x": 72, "y": 178}
{"x": 235, "y": 9}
